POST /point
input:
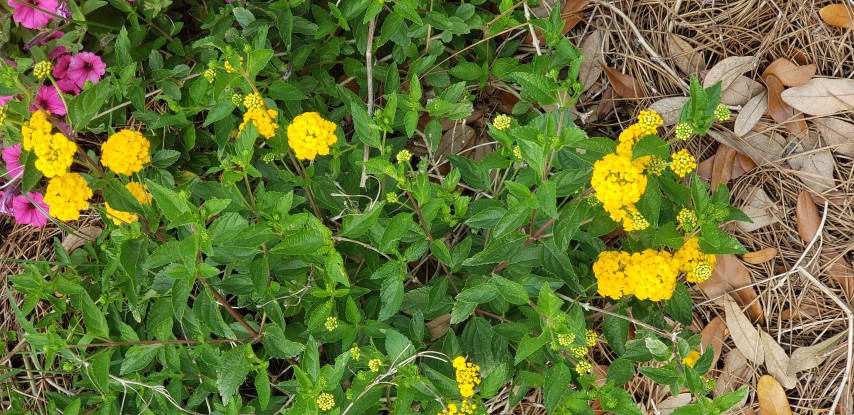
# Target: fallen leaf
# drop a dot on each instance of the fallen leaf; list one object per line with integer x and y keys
{"x": 806, "y": 215}
{"x": 809, "y": 357}
{"x": 761, "y": 256}
{"x": 735, "y": 373}
{"x": 626, "y": 86}
{"x": 731, "y": 276}
{"x": 592, "y": 49}
{"x": 740, "y": 91}
{"x": 837, "y": 134}
{"x": 704, "y": 169}
{"x": 746, "y": 162}
{"x": 788, "y": 73}
{"x": 715, "y": 333}
{"x": 780, "y": 110}
{"x": 821, "y": 96}
{"x": 800, "y": 313}
{"x": 772, "y": 398}
{"x": 727, "y": 70}
{"x": 761, "y": 148}
{"x": 454, "y": 141}
{"x": 777, "y": 361}
{"x": 750, "y": 114}
{"x": 839, "y": 15}
{"x": 606, "y": 104}
{"x": 760, "y": 209}
{"x": 670, "y": 404}
{"x": 439, "y": 326}
{"x": 842, "y": 273}
{"x": 77, "y": 239}
{"x": 815, "y": 169}
{"x": 722, "y": 169}
{"x": 669, "y": 109}
{"x": 686, "y": 57}
{"x": 744, "y": 335}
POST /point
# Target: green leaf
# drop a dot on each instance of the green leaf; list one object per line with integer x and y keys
{"x": 397, "y": 346}
{"x": 138, "y": 357}
{"x": 662, "y": 375}
{"x": 539, "y": 88}
{"x": 512, "y": 219}
{"x": 680, "y": 306}
{"x": 277, "y": 345}
{"x": 528, "y": 346}
{"x": 511, "y": 291}
{"x": 258, "y": 59}
{"x": 357, "y": 224}
{"x": 716, "y": 241}
{"x": 397, "y": 227}
{"x": 170, "y": 203}
{"x": 391, "y": 297}
{"x": 467, "y": 71}
{"x": 461, "y": 311}
{"x": 547, "y": 196}
{"x": 498, "y": 249}
{"x": 99, "y": 369}
{"x": 84, "y": 107}
{"x": 334, "y": 268}
{"x": 244, "y": 17}
{"x": 547, "y": 302}
{"x": 555, "y": 389}
{"x": 122, "y": 48}
{"x": 621, "y": 371}
{"x": 365, "y": 131}
{"x": 232, "y": 372}
{"x": 453, "y": 110}
{"x": 262, "y": 388}
{"x": 93, "y": 317}
{"x": 726, "y": 401}
{"x": 493, "y": 381}
{"x": 303, "y": 242}
{"x": 32, "y": 175}
{"x": 657, "y": 348}
{"x": 651, "y": 145}
{"x": 616, "y": 332}
{"x": 478, "y": 294}
{"x": 566, "y": 225}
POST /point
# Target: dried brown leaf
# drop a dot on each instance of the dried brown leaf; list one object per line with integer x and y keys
{"x": 780, "y": 110}
{"x": 806, "y": 215}
{"x": 772, "y": 398}
{"x": 669, "y": 109}
{"x": 80, "y": 237}
{"x": 760, "y": 209}
{"x": 751, "y": 113}
{"x": 744, "y": 335}
{"x": 439, "y": 326}
{"x": 670, "y": 404}
{"x": 760, "y": 256}
{"x": 821, "y": 96}
{"x": 806, "y": 358}
{"x": 777, "y": 361}
{"x": 454, "y": 141}
{"x": 715, "y": 333}
{"x": 728, "y": 70}
{"x": 686, "y": 57}
{"x": 740, "y": 91}
{"x": 815, "y": 169}
{"x": 788, "y": 73}
{"x": 761, "y": 148}
{"x": 592, "y": 49}
{"x": 736, "y": 372}
{"x": 746, "y": 162}
{"x": 704, "y": 169}
{"x": 837, "y": 134}
{"x": 626, "y": 86}
{"x": 839, "y": 15}
{"x": 842, "y": 273}
{"x": 722, "y": 169}
{"x": 731, "y": 276}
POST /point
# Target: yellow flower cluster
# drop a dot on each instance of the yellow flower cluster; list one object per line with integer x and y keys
{"x": 467, "y": 376}
{"x": 591, "y": 338}
{"x": 54, "y": 152}
{"x": 125, "y": 152}
{"x": 691, "y": 359}
{"x": 67, "y": 196}
{"x": 648, "y": 275}
{"x": 619, "y": 184}
{"x": 140, "y": 193}
{"x": 375, "y": 364}
{"x": 722, "y": 113}
{"x": 583, "y": 367}
{"x": 309, "y": 135}
{"x": 325, "y": 401}
{"x": 264, "y": 120}
{"x": 683, "y": 163}
{"x": 579, "y": 351}
{"x": 648, "y": 123}
{"x": 355, "y": 352}
{"x": 501, "y": 122}
{"x": 42, "y": 69}
{"x": 466, "y": 407}
{"x": 687, "y": 219}
{"x": 2, "y": 114}
{"x": 696, "y": 265}
{"x": 565, "y": 339}
{"x": 684, "y": 131}
{"x": 331, "y": 323}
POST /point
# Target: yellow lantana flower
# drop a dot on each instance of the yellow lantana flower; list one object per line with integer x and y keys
{"x": 309, "y": 135}
{"x": 125, "y": 152}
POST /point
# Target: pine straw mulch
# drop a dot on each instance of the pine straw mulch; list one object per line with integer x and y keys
{"x": 637, "y": 38}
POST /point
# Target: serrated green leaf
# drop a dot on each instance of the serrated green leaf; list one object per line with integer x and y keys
{"x": 528, "y": 346}
{"x": 138, "y": 357}
{"x": 232, "y": 372}
{"x": 511, "y": 291}
{"x": 539, "y": 88}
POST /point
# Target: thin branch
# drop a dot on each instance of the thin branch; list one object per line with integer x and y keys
{"x": 369, "y": 65}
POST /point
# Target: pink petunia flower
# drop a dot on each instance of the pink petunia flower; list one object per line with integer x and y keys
{"x": 31, "y": 13}
{"x": 30, "y": 213}
{"x": 68, "y": 86}
{"x": 12, "y": 158}
{"x": 5, "y": 99}
{"x": 6, "y": 197}
{"x": 57, "y": 52}
{"x": 61, "y": 66}
{"x": 48, "y": 99}
{"x": 85, "y": 66}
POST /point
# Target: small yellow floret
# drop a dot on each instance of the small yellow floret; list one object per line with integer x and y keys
{"x": 125, "y": 152}
{"x": 54, "y": 153}
{"x": 683, "y": 163}
{"x": 583, "y": 367}
{"x": 229, "y": 68}
{"x": 565, "y": 339}
{"x": 264, "y": 120}
{"x": 325, "y": 401}
{"x": 687, "y": 219}
{"x": 331, "y": 323}
{"x": 501, "y": 122}
{"x": 696, "y": 265}
{"x": 42, "y": 69}
{"x": 619, "y": 184}
{"x": 467, "y": 376}
{"x": 35, "y": 129}
{"x": 591, "y": 338}
{"x": 253, "y": 100}
{"x": 691, "y": 359}
{"x": 375, "y": 364}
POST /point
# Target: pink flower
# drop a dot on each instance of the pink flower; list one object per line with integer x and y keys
{"x": 57, "y": 52}
{"x": 6, "y": 197}
{"x": 30, "y": 213}
{"x": 31, "y": 13}
{"x": 68, "y": 86}
{"x": 85, "y": 66}
{"x": 48, "y": 99}
{"x": 12, "y": 158}
{"x": 5, "y": 99}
